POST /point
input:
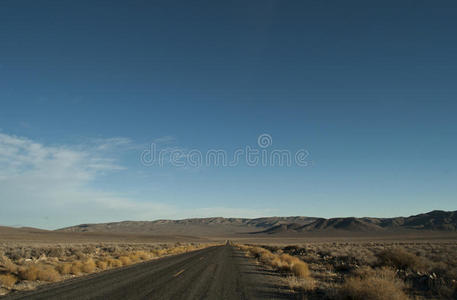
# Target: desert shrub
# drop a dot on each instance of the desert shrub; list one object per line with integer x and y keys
{"x": 117, "y": 263}
{"x": 379, "y": 284}
{"x": 283, "y": 262}
{"x": 102, "y": 265}
{"x": 29, "y": 272}
{"x": 88, "y": 249}
{"x": 266, "y": 257}
{"x": 289, "y": 259}
{"x": 38, "y": 272}
{"x": 7, "y": 280}
{"x": 78, "y": 253}
{"x": 401, "y": 259}
{"x": 125, "y": 260}
{"x": 113, "y": 262}
{"x": 180, "y": 249}
{"x": 276, "y": 263}
{"x": 445, "y": 269}
{"x": 55, "y": 252}
{"x": 8, "y": 265}
{"x": 64, "y": 268}
{"x": 171, "y": 251}
{"x": 143, "y": 255}
{"x": 158, "y": 252}
{"x": 76, "y": 268}
{"x": 48, "y": 273}
{"x": 300, "y": 269}
{"x": 306, "y": 285}
{"x": 134, "y": 257}
{"x": 88, "y": 266}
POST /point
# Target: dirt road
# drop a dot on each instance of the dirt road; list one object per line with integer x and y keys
{"x": 220, "y": 272}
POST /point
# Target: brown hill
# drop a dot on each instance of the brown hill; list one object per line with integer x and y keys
{"x": 434, "y": 221}
{"x": 218, "y": 226}
{"x": 35, "y": 236}
{"x": 353, "y": 224}
{"x": 284, "y": 228}
{"x": 199, "y": 226}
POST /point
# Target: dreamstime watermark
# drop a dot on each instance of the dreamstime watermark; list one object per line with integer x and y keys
{"x": 264, "y": 156}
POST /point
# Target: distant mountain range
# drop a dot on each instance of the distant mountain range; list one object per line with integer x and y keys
{"x": 198, "y": 226}
{"x": 435, "y": 220}
{"x": 432, "y": 221}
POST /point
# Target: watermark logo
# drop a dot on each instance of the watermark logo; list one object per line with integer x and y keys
{"x": 264, "y": 154}
{"x": 264, "y": 140}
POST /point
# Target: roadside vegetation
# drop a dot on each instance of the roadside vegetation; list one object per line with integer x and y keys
{"x": 25, "y": 267}
{"x": 371, "y": 270}
{"x": 296, "y": 270}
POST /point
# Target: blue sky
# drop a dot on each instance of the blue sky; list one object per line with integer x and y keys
{"x": 368, "y": 89}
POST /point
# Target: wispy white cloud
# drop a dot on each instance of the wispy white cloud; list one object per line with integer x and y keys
{"x": 112, "y": 143}
{"x": 53, "y": 186}
{"x": 39, "y": 181}
{"x": 165, "y": 140}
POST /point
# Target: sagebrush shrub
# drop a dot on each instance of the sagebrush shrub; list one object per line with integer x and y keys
{"x": 399, "y": 258}
{"x": 7, "y": 280}
{"x": 379, "y": 284}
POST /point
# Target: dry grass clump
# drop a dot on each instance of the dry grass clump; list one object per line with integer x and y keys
{"x": 76, "y": 268}
{"x": 182, "y": 249}
{"x": 7, "y": 265}
{"x": 143, "y": 255}
{"x": 300, "y": 269}
{"x": 88, "y": 266}
{"x": 102, "y": 264}
{"x": 282, "y": 262}
{"x": 159, "y": 252}
{"x": 64, "y": 268}
{"x": 38, "y": 272}
{"x": 7, "y": 280}
{"x": 48, "y": 273}
{"x": 375, "y": 284}
{"x": 125, "y": 260}
{"x": 137, "y": 256}
{"x": 301, "y": 284}
{"x": 134, "y": 257}
{"x": 113, "y": 262}
{"x": 289, "y": 259}
{"x": 29, "y": 272}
